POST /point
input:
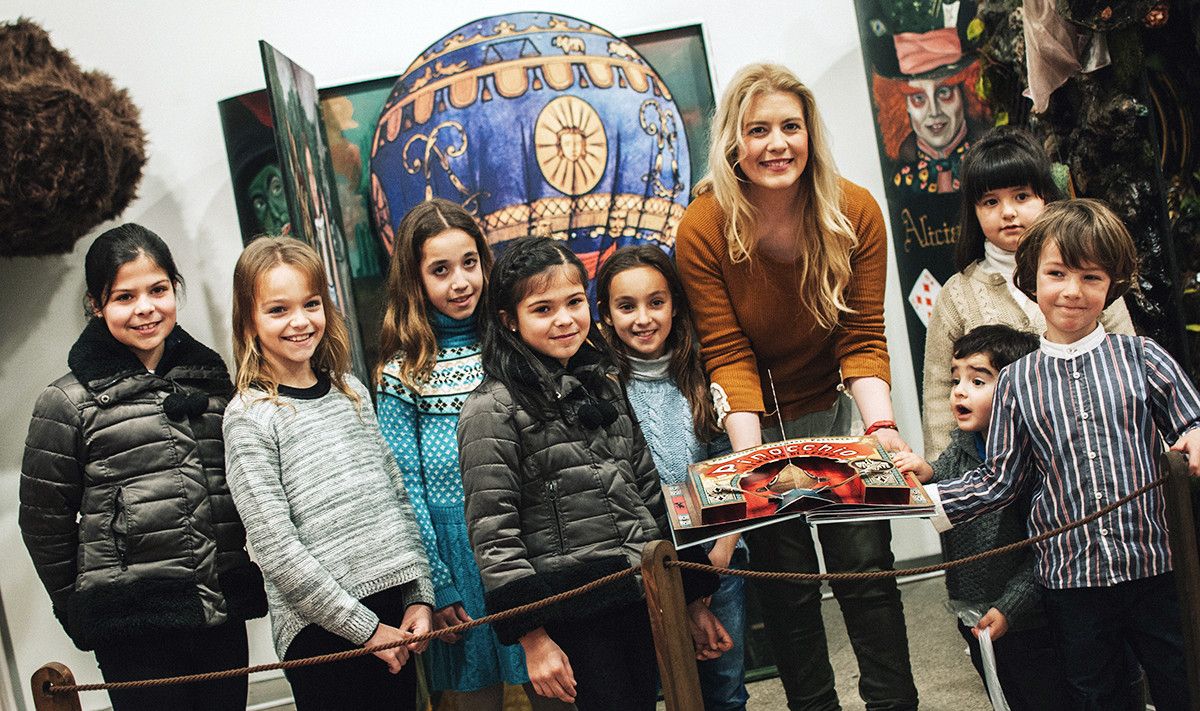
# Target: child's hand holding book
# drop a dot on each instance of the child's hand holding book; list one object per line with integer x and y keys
{"x": 912, "y": 463}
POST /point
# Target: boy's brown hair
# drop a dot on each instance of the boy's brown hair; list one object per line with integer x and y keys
{"x": 1087, "y": 233}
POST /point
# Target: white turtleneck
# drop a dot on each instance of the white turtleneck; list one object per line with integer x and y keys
{"x": 1003, "y": 262}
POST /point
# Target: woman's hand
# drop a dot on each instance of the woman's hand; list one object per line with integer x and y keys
{"x": 417, "y": 620}
{"x": 395, "y": 657}
{"x": 873, "y": 396}
{"x": 449, "y": 616}
{"x": 549, "y": 669}
{"x": 708, "y": 634}
{"x": 890, "y": 440}
{"x": 910, "y": 463}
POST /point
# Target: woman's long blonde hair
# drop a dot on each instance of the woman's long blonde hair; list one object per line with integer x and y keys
{"x": 333, "y": 352}
{"x": 823, "y": 233}
{"x": 406, "y": 331}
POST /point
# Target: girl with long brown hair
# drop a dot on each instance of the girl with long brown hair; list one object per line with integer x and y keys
{"x": 323, "y": 501}
{"x": 430, "y": 364}
{"x": 648, "y": 323}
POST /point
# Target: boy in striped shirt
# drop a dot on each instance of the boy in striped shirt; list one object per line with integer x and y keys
{"x": 1077, "y": 424}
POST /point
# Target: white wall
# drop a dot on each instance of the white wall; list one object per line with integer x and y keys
{"x": 179, "y": 59}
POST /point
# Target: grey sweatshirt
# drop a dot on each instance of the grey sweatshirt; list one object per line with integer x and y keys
{"x": 325, "y": 509}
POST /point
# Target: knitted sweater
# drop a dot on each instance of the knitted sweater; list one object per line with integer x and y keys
{"x": 422, "y": 429}
{"x": 750, "y": 315}
{"x": 665, "y": 417}
{"x": 971, "y": 298}
{"x": 1005, "y": 582}
{"x": 324, "y": 507}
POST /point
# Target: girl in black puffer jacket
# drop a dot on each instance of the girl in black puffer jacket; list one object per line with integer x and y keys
{"x": 561, "y": 489}
{"x": 124, "y": 506}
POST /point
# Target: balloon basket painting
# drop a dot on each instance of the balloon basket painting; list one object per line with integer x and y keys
{"x": 538, "y": 124}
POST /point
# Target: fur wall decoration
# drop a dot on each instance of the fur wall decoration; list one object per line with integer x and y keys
{"x": 71, "y": 147}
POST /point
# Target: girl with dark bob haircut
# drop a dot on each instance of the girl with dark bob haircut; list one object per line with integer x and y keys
{"x": 1006, "y": 184}
{"x": 1005, "y": 157}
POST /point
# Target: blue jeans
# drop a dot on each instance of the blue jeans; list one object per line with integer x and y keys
{"x": 723, "y": 680}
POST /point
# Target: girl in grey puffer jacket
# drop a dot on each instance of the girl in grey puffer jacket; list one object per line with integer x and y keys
{"x": 124, "y": 506}
{"x": 561, "y": 489}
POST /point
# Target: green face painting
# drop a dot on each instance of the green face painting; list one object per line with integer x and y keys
{"x": 268, "y": 200}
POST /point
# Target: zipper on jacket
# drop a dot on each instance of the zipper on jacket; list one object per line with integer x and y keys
{"x": 118, "y": 520}
{"x": 552, "y": 494}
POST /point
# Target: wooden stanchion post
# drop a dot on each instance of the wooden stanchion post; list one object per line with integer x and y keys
{"x": 672, "y": 635}
{"x": 58, "y": 675}
{"x": 1181, "y": 523}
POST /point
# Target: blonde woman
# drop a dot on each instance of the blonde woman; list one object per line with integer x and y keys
{"x": 783, "y": 261}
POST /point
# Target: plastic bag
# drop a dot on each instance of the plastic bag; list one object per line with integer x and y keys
{"x": 970, "y": 615}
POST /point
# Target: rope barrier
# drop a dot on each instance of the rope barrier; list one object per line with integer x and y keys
{"x": 595, "y": 584}
{"x": 350, "y": 653}
{"x": 877, "y": 574}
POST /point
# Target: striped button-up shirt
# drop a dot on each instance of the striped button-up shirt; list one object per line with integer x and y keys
{"x": 1081, "y": 426}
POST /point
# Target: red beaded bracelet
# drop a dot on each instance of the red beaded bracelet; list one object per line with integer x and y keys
{"x": 881, "y": 425}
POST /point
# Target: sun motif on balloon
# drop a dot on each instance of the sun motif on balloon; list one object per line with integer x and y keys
{"x": 570, "y": 144}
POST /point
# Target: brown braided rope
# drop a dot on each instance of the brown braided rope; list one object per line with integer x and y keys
{"x": 877, "y": 574}
{"x": 595, "y": 584}
{"x": 348, "y": 654}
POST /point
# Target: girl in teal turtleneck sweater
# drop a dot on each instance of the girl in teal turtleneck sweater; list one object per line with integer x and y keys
{"x": 431, "y": 362}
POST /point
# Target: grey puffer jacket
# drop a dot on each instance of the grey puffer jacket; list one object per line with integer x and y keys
{"x": 553, "y": 505}
{"x": 124, "y": 506}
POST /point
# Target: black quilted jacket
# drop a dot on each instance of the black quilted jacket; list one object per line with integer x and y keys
{"x": 124, "y": 506}
{"x": 552, "y": 506}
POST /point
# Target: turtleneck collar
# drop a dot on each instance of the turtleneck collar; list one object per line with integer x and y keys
{"x": 453, "y": 332}
{"x": 1003, "y": 262}
{"x": 650, "y": 368}
{"x": 999, "y": 261}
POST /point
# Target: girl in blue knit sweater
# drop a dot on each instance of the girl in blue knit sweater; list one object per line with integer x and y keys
{"x": 649, "y": 325}
{"x": 429, "y": 345}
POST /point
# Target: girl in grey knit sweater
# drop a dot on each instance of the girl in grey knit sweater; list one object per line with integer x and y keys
{"x": 322, "y": 498}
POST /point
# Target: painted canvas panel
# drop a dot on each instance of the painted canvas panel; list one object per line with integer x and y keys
{"x": 537, "y": 124}
{"x": 927, "y": 97}
{"x": 680, "y": 56}
{"x": 350, "y": 112}
{"x": 258, "y": 192}
{"x": 308, "y": 180}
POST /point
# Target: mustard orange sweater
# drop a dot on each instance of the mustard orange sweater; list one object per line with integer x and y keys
{"x": 750, "y": 316}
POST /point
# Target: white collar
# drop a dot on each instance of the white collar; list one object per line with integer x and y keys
{"x": 1066, "y": 351}
{"x": 652, "y": 368}
{"x": 999, "y": 261}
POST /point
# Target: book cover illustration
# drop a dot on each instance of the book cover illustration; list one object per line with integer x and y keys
{"x": 825, "y": 479}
